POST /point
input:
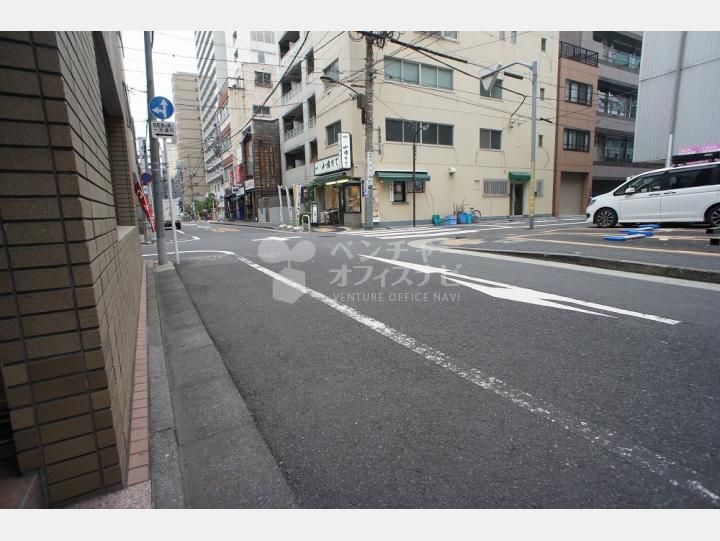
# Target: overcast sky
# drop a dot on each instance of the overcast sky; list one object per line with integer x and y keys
{"x": 172, "y": 52}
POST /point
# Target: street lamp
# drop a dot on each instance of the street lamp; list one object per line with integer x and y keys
{"x": 487, "y": 79}
{"x": 420, "y": 127}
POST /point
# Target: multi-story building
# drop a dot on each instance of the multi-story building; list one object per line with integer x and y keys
{"x": 189, "y": 139}
{"x": 220, "y": 57}
{"x": 70, "y": 271}
{"x": 679, "y": 78}
{"x": 613, "y": 96}
{"x": 474, "y": 152}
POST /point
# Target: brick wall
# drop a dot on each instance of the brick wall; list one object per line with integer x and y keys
{"x": 69, "y": 276}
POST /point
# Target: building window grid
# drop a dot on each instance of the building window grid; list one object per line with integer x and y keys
{"x": 576, "y": 92}
{"x": 490, "y": 139}
{"x": 495, "y": 92}
{"x": 400, "y": 131}
{"x": 576, "y": 140}
{"x": 496, "y": 187}
{"x": 333, "y": 132}
{"x": 418, "y": 74}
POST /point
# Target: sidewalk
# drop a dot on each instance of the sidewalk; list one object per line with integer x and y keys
{"x": 683, "y": 253}
{"x": 205, "y": 450}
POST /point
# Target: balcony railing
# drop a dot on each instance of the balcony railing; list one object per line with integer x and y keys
{"x": 579, "y": 54}
{"x": 311, "y": 121}
{"x": 293, "y": 92}
{"x": 623, "y": 60}
{"x": 289, "y": 134}
{"x": 613, "y": 154}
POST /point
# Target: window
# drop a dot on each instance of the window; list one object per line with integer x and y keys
{"x": 236, "y": 54}
{"x": 576, "y": 140}
{"x": 502, "y": 35}
{"x": 262, "y": 79}
{"x": 398, "y": 194}
{"x": 265, "y": 37}
{"x": 262, "y": 110}
{"x": 261, "y": 57}
{"x": 496, "y": 187}
{"x": 692, "y": 178}
{"x": 352, "y": 198}
{"x": 542, "y": 93}
{"x": 404, "y": 131}
{"x": 649, "y": 183}
{"x": 418, "y": 188}
{"x": 333, "y": 131}
{"x": 494, "y": 92}
{"x": 578, "y": 92}
{"x": 310, "y": 62}
{"x": 418, "y": 74}
{"x": 234, "y": 36}
{"x": 443, "y": 33}
{"x": 513, "y": 36}
{"x": 332, "y": 71}
{"x": 540, "y": 187}
{"x": 540, "y": 140}
{"x": 543, "y": 44}
{"x": 490, "y": 139}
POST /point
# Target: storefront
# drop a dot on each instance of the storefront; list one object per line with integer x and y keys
{"x": 249, "y": 201}
{"x": 337, "y": 194}
{"x": 339, "y": 199}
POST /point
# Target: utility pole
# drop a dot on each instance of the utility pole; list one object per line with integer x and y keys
{"x": 157, "y": 185}
{"x": 369, "y": 166}
{"x": 533, "y": 145}
{"x": 419, "y": 128}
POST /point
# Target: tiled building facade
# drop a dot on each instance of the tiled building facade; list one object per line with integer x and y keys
{"x": 70, "y": 268}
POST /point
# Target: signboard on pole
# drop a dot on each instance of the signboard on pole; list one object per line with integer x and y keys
{"x": 369, "y": 174}
{"x": 161, "y": 108}
{"x": 162, "y": 129}
{"x": 144, "y": 204}
{"x": 345, "y": 151}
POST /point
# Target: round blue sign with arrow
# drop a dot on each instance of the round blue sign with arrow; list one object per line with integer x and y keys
{"x": 161, "y": 108}
{"x": 146, "y": 178}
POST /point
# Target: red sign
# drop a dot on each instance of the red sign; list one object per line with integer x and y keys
{"x": 145, "y": 204}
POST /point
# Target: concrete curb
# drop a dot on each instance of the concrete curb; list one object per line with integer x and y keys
{"x": 223, "y": 460}
{"x": 684, "y": 273}
{"x": 246, "y": 224}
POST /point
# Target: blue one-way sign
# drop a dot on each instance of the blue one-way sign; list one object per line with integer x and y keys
{"x": 161, "y": 108}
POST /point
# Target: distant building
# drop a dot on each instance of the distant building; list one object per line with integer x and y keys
{"x": 681, "y": 68}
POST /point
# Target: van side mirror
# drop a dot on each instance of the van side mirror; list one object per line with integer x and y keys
{"x": 629, "y": 191}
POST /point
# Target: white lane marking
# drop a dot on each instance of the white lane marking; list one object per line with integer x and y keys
{"x": 276, "y": 238}
{"x": 428, "y": 234}
{"x": 662, "y": 466}
{"x": 519, "y": 294}
{"x": 426, "y": 244}
{"x": 181, "y": 232}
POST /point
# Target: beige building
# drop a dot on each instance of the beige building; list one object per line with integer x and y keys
{"x": 70, "y": 266}
{"x": 475, "y": 152}
{"x": 189, "y": 138}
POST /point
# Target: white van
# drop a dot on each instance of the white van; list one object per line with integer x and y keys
{"x": 689, "y": 193}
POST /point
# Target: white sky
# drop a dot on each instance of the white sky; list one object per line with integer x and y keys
{"x": 172, "y": 52}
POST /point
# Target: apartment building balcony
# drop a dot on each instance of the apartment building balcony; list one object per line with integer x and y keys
{"x": 287, "y": 44}
{"x": 294, "y": 90}
{"x": 621, "y": 59}
{"x": 579, "y": 54}
{"x": 297, "y": 130}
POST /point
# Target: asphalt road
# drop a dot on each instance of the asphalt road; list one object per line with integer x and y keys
{"x": 382, "y": 382}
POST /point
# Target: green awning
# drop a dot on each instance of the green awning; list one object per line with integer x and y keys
{"x": 407, "y": 176}
{"x": 514, "y": 175}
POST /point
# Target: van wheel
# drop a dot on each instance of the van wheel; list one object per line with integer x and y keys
{"x": 606, "y": 217}
{"x": 713, "y": 216}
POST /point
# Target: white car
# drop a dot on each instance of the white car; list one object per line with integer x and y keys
{"x": 689, "y": 193}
